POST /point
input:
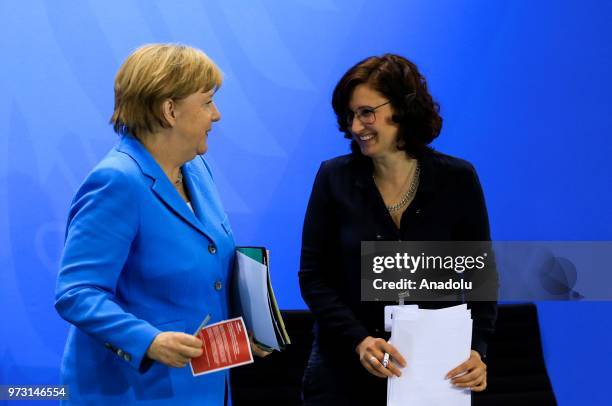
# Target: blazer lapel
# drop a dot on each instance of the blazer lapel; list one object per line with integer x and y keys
{"x": 200, "y": 203}
{"x": 161, "y": 185}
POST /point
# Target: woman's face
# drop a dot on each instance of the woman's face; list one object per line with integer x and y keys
{"x": 380, "y": 137}
{"x": 194, "y": 117}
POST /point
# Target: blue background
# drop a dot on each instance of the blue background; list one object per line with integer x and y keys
{"x": 524, "y": 89}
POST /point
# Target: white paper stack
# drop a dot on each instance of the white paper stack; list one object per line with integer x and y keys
{"x": 432, "y": 342}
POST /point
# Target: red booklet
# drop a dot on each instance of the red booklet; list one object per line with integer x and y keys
{"x": 225, "y": 344}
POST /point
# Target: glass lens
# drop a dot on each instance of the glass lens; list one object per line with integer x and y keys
{"x": 366, "y": 116}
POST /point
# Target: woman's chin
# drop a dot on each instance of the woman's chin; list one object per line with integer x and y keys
{"x": 367, "y": 150}
{"x": 202, "y": 149}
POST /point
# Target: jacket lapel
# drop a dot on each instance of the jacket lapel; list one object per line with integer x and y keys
{"x": 161, "y": 185}
{"x": 196, "y": 185}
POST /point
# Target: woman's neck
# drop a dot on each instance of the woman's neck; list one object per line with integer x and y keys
{"x": 393, "y": 168}
{"x": 165, "y": 154}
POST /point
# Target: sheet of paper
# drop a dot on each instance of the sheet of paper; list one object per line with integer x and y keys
{"x": 433, "y": 342}
{"x": 225, "y": 344}
{"x": 389, "y": 310}
{"x": 251, "y": 279}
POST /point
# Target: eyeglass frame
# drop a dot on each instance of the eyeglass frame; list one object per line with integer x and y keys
{"x": 350, "y": 118}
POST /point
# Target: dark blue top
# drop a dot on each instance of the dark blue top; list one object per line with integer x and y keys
{"x": 346, "y": 208}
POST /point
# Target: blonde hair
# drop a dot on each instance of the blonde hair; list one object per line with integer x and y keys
{"x": 152, "y": 74}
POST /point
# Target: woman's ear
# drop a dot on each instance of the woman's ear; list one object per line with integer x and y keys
{"x": 169, "y": 112}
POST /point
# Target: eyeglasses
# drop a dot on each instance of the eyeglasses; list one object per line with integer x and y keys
{"x": 367, "y": 115}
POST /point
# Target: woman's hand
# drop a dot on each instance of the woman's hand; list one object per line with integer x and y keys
{"x": 174, "y": 349}
{"x": 371, "y": 352}
{"x": 474, "y": 374}
{"x": 257, "y": 350}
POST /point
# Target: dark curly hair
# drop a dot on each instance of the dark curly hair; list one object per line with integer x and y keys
{"x": 398, "y": 79}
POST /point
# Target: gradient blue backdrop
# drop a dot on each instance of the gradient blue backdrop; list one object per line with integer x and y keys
{"x": 524, "y": 89}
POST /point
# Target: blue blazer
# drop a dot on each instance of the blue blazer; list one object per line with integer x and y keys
{"x": 137, "y": 261}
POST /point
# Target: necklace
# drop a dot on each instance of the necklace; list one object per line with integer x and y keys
{"x": 179, "y": 180}
{"x": 409, "y": 194}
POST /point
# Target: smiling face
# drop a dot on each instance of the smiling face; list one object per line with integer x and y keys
{"x": 378, "y": 139}
{"x": 194, "y": 117}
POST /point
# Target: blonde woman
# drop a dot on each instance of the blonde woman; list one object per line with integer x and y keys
{"x": 148, "y": 248}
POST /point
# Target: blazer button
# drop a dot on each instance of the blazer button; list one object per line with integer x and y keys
{"x": 107, "y": 345}
{"x": 218, "y": 285}
{"x": 120, "y": 352}
{"x": 212, "y": 249}
{"x": 127, "y": 357}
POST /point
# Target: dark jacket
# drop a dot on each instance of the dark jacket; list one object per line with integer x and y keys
{"x": 346, "y": 208}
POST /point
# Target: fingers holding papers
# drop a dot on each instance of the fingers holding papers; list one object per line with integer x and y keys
{"x": 372, "y": 354}
{"x": 470, "y": 374}
{"x": 257, "y": 350}
{"x": 174, "y": 349}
